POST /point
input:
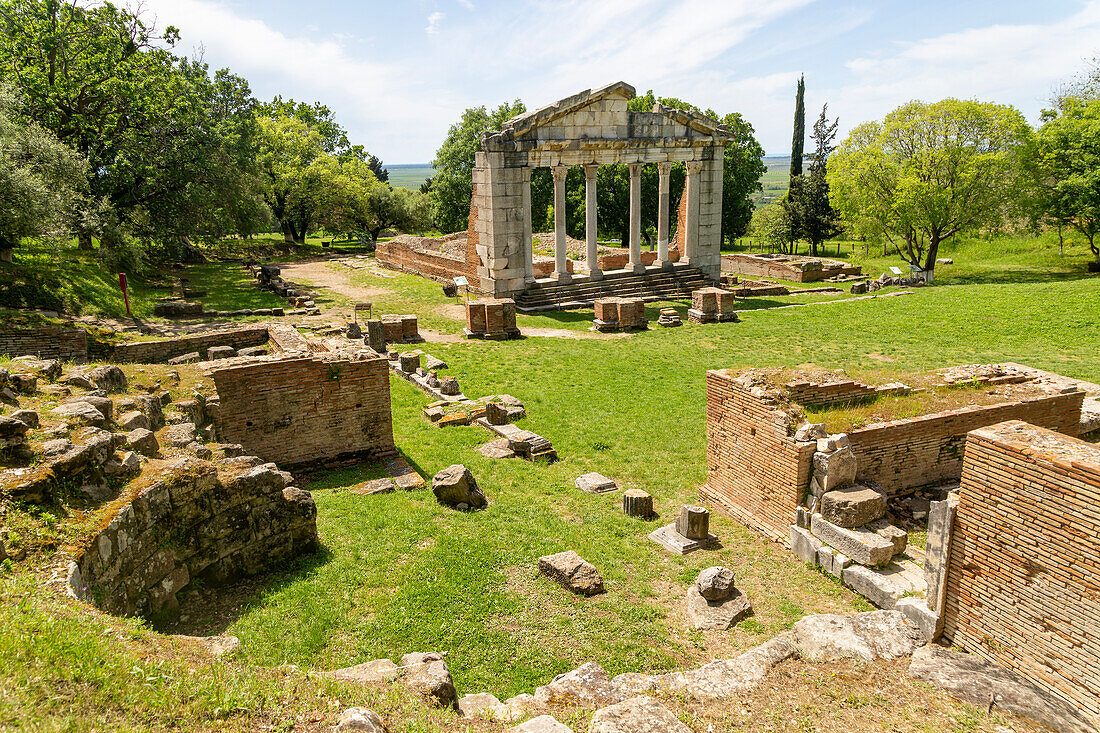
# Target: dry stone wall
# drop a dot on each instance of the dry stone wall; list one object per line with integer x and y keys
{"x": 193, "y": 523}
{"x": 301, "y": 410}
{"x": 157, "y": 352}
{"x": 1022, "y": 580}
{"x": 63, "y": 344}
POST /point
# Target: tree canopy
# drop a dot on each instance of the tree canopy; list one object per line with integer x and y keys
{"x": 930, "y": 170}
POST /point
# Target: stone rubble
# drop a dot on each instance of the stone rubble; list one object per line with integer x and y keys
{"x": 572, "y": 572}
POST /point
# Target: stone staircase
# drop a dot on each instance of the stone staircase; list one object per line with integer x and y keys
{"x": 654, "y": 284}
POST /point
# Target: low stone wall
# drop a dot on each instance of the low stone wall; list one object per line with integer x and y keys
{"x": 618, "y": 260}
{"x": 433, "y": 265}
{"x": 303, "y": 410}
{"x": 786, "y": 267}
{"x": 48, "y": 342}
{"x": 158, "y": 352}
{"x": 813, "y": 394}
{"x": 1022, "y": 584}
{"x": 755, "y": 472}
{"x": 920, "y": 451}
{"x": 193, "y": 523}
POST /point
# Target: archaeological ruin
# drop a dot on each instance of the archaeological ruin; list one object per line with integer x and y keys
{"x": 589, "y": 129}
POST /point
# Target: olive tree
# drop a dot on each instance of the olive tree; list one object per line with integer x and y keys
{"x": 929, "y": 171}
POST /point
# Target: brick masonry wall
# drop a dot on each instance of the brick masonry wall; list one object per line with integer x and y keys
{"x": 433, "y": 265}
{"x": 813, "y": 394}
{"x": 157, "y": 352}
{"x": 193, "y": 524}
{"x": 755, "y": 472}
{"x": 924, "y": 450}
{"x": 302, "y": 410}
{"x": 755, "y": 266}
{"x": 65, "y": 344}
{"x": 1023, "y": 580}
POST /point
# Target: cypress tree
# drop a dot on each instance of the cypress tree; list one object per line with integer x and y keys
{"x": 798, "y": 141}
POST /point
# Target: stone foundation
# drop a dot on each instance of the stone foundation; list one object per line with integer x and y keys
{"x": 620, "y": 314}
{"x": 787, "y": 267}
{"x": 491, "y": 318}
{"x": 712, "y": 305}
{"x": 158, "y": 352}
{"x": 63, "y": 344}
{"x": 193, "y": 523}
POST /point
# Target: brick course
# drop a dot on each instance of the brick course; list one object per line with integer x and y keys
{"x": 434, "y": 265}
{"x": 1023, "y": 579}
{"x": 158, "y": 352}
{"x": 303, "y": 410}
{"x": 48, "y": 342}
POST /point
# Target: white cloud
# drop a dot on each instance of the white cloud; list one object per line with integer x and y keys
{"x": 433, "y": 23}
{"x": 466, "y": 4}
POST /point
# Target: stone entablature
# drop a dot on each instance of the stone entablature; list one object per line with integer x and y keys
{"x": 591, "y": 129}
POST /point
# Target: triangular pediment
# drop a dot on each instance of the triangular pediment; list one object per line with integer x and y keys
{"x": 566, "y": 108}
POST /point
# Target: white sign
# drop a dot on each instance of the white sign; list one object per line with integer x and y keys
{"x": 895, "y": 270}
{"x": 461, "y": 281}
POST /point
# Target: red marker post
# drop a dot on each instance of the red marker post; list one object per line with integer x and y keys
{"x": 125, "y": 294}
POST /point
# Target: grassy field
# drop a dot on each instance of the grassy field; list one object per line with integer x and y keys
{"x": 400, "y": 573}
{"x": 409, "y": 175}
{"x": 775, "y": 181}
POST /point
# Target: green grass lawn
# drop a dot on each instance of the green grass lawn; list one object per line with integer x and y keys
{"x": 401, "y": 573}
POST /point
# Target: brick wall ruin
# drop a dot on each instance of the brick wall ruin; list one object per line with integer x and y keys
{"x": 786, "y": 267}
{"x": 305, "y": 409}
{"x": 48, "y": 342}
{"x": 157, "y": 352}
{"x": 920, "y": 451}
{"x": 758, "y": 473}
{"x": 193, "y": 523}
{"x": 755, "y": 472}
{"x": 400, "y": 254}
{"x": 1022, "y": 580}
{"x": 814, "y": 394}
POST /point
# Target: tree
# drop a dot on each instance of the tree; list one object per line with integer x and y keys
{"x": 771, "y": 225}
{"x": 378, "y": 169}
{"x": 931, "y": 170}
{"x": 812, "y": 216}
{"x": 744, "y": 164}
{"x": 1067, "y": 168}
{"x": 41, "y": 180}
{"x": 297, "y": 172}
{"x": 798, "y": 140}
{"x": 452, "y": 185}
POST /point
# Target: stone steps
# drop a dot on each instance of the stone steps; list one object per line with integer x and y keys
{"x": 654, "y": 285}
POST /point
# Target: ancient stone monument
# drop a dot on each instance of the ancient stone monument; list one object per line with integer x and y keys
{"x": 712, "y": 305}
{"x": 619, "y": 314}
{"x": 591, "y": 129}
{"x": 690, "y": 532}
{"x": 491, "y": 318}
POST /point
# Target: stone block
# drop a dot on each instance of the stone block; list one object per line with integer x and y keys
{"x": 899, "y": 537}
{"x": 804, "y": 545}
{"x": 852, "y": 506}
{"x": 941, "y": 518}
{"x": 832, "y": 562}
{"x": 876, "y": 587}
{"x": 693, "y": 522}
{"x": 594, "y": 483}
{"x": 572, "y": 572}
{"x": 409, "y": 361}
{"x": 861, "y": 545}
{"x": 835, "y": 469}
{"x": 917, "y": 612}
{"x": 670, "y": 539}
{"x": 220, "y": 352}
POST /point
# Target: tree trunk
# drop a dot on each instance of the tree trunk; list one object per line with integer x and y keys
{"x": 84, "y": 241}
{"x": 1061, "y": 242}
{"x": 5, "y": 254}
{"x": 930, "y": 259}
{"x": 288, "y": 232}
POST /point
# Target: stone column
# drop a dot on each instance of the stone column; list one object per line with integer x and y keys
{"x": 561, "y": 274}
{"x": 528, "y": 252}
{"x": 691, "y": 225}
{"x": 590, "y": 221}
{"x": 634, "y": 264}
{"x": 663, "y": 170}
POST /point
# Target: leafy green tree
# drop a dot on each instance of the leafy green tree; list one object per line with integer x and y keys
{"x": 378, "y": 169}
{"x": 297, "y": 172}
{"x": 1067, "y": 167}
{"x": 771, "y": 225}
{"x": 41, "y": 180}
{"x": 319, "y": 118}
{"x": 798, "y": 139}
{"x": 452, "y": 185}
{"x": 929, "y": 171}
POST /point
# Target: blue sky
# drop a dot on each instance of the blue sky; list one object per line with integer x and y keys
{"x": 398, "y": 73}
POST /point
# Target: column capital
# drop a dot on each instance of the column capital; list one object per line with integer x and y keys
{"x": 590, "y": 170}
{"x": 635, "y": 169}
{"x": 664, "y": 168}
{"x": 559, "y": 172}
{"x": 693, "y": 166}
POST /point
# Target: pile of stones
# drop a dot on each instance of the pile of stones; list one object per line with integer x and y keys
{"x": 669, "y": 318}
{"x": 268, "y": 278}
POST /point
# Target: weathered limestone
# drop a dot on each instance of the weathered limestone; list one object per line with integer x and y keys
{"x": 834, "y": 469}
{"x": 586, "y": 686}
{"x": 693, "y": 522}
{"x": 359, "y": 719}
{"x": 986, "y": 685}
{"x": 572, "y": 572}
{"x": 594, "y": 483}
{"x": 378, "y": 670}
{"x": 637, "y": 715}
{"x": 688, "y": 533}
{"x": 542, "y": 724}
{"x": 428, "y": 675}
{"x": 715, "y": 584}
{"x": 862, "y": 545}
{"x": 455, "y": 486}
{"x": 852, "y": 506}
{"x": 712, "y": 601}
{"x": 866, "y": 636}
{"x": 637, "y": 503}
{"x": 876, "y": 587}
{"x": 482, "y": 704}
{"x": 376, "y": 335}
{"x": 941, "y": 518}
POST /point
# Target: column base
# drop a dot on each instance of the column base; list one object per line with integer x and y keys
{"x": 666, "y": 264}
{"x": 595, "y": 274}
{"x": 562, "y": 278}
{"x": 637, "y": 268}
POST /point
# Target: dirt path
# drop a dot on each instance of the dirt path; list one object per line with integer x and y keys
{"x": 320, "y": 274}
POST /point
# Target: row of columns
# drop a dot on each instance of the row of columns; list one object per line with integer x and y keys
{"x": 634, "y": 262}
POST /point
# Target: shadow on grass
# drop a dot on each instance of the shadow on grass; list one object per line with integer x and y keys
{"x": 1016, "y": 277}
{"x": 207, "y": 610}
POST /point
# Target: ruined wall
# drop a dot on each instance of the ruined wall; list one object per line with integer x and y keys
{"x": 434, "y": 265}
{"x": 786, "y": 267}
{"x": 755, "y": 472}
{"x": 813, "y": 394}
{"x": 157, "y": 352}
{"x": 924, "y": 450}
{"x": 193, "y": 524}
{"x": 65, "y": 344}
{"x": 1023, "y": 580}
{"x": 305, "y": 409}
